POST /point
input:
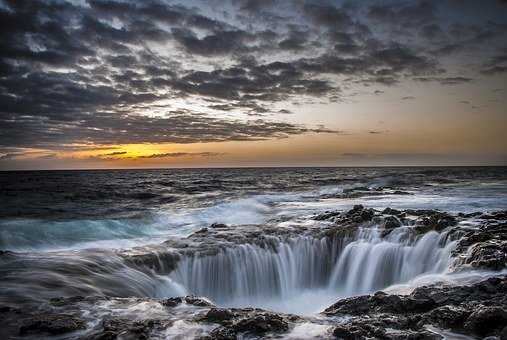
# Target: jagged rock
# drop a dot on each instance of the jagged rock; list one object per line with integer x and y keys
{"x": 190, "y": 299}
{"x": 51, "y": 323}
{"x": 479, "y": 309}
{"x": 390, "y": 211}
{"x": 390, "y": 223}
{"x": 432, "y": 220}
{"x": 115, "y": 328}
{"x": 218, "y": 315}
{"x": 198, "y": 301}
{"x": 61, "y": 301}
{"x": 484, "y": 248}
{"x": 327, "y": 215}
{"x": 261, "y": 323}
{"x": 218, "y": 225}
{"x": 487, "y": 321}
{"x": 172, "y": 302}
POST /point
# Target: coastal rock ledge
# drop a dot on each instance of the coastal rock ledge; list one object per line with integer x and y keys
{"x": 473, "y": 308}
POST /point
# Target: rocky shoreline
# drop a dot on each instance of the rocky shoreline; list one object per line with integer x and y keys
{"x": 477, "y": 308}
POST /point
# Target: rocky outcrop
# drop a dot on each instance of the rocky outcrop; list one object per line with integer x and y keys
{"x": 484, "y": 247}
{"x": 53, "y": 324}
{"x": 479, "y": 309}
{"x": 245, "y": 321}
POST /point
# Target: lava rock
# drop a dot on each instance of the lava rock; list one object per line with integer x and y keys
{"x": 218, "y": 315}
{"x": 262, "y": 323}
{"x": 51, "y": 323}
{"x": 487, "y": 321}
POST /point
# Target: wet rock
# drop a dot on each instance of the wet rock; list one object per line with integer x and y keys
{"x": 190, "y": 299}
{"x": 198, "y": 301}
{"x": 484, "y": 248}
{"x": 479, "y": 309}
{"x": 221, "y": 333}
{"x": 172, "y": 302}
{"x": 218, "y": 226}
{"x": 389, "y": 224}
{"x": 326, "y": 215}
{"x": 390, "y": 211}
{"x": 261, "y": 323}
{"x": 359, "y": 214}
{"x": 487, "y": 321}
{"x": 115, "y": 328}
{"x": 496, "y": 215}
{"x": 62, "y": 301}
{"x": 432, "y": 220}
{"x": 218, "y": 315}
{"x": 51, "y": 323}
{"x": 447, "y": 317}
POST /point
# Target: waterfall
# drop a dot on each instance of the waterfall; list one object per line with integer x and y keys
{"x": 371, "y": 262}
{"x": 248, "y": 274}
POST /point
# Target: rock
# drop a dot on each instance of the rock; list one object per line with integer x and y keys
{"x": 262, "y": 323}
{"x": 198, "y": 301}
{"x": 483, "y": 248}
{"x": 172, "y": 302}
{"x": 359, "y": 214}
{"x": 218, "y": 315}
{"x": 391, "y": 222}
{"x": 326, "y": 215}
{"x": 389, "y": 211}
{"x": 218, "y": 225}
{"x": 479, "y": 309}
{"x": 222, "y": 333}
{"x": 51, "y": 323}
{"x": 447, "y": 317}
{"x": 190, "y": 299}
{"x": 127, "y": 329}
{"x": 487, "y": 321}
{"x": 62, "y": 301}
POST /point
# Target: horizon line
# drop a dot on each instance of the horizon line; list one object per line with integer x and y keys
{"x": 262, "y": 167}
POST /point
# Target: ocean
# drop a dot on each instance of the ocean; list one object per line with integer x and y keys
{"x": 239, "y": 237}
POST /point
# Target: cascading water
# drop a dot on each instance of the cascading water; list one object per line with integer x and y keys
{"x": 271, "y": 275}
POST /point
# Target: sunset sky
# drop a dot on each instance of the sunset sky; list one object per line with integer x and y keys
{"x": 125, "y": 84}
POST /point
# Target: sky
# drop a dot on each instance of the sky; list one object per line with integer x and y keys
{"x": 93, "y": 84}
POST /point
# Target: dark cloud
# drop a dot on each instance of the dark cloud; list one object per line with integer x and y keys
{"x": 445, "y": 80}
{"x": 108, "y": 71}
{"x": 180, "y": 154}
{"x": 116, "y": 153}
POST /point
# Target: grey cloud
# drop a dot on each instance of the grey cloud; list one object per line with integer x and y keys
{"x": 84, "y": 72}
{"x": 181, "y": 154}
{"x": 445, "y": 80}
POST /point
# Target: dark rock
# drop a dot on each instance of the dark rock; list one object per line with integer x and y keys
{"x": 326, "y": 215}
{"x": 390, "y": 211}
{"x": 52, "y": 324}
{"x": 218, "y": 315}
{"x": 222, "y": 333}
{"x": 127, "y": 329}
{"x": 391, "y": 222}
{"x": 349, "y": 190}
{"x": 479, "y": 309}
{"x": 261, "y": 323}
{"x": 485, "y": 247}
{"x": 487, "y": 321}
{"x": 198, "y": 301}
{"x": 447, "y": 317}
{"x": 172, "y": 302}
{"x": 62, "y": 301}
{"x": 218, "y": 225}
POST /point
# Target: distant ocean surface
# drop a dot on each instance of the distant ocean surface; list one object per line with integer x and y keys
{"x": 64, "y": 210}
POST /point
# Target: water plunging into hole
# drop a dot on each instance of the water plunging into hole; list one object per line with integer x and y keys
{"x": 304, "y": 275}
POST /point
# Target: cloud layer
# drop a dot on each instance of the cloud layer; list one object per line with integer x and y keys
{"x": 116, "y": 72}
